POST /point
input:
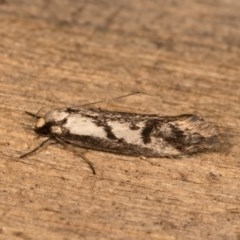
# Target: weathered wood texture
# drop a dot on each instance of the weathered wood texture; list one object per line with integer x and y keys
{"x": 183, "y": 55}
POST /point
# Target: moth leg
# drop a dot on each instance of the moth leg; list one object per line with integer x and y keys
{"x": 89, "y": 164}
{"x": 41, "y": 145}
{"x": 65, "y": 145}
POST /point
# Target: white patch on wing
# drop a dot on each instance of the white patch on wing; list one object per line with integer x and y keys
{"x": 122, "y": 130}
{"x": 84, "y": 126}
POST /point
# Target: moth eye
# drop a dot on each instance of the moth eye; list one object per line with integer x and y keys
{"x": 40, "y": 123}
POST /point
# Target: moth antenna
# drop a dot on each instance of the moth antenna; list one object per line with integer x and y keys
{"x": 31, "y": 114}
{"x": 36, "y": 149}
{"x": 35, "y": 115}
{"x": 112, "y": 99}
{"x": 84, "y": 158}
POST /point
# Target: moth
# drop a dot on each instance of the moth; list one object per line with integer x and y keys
{"x": 128, "y": 133}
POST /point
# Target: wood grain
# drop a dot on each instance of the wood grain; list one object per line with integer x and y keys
{"x": 182, "y": 55}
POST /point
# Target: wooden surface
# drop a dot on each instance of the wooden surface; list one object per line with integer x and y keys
{"x": 182, "y": 55}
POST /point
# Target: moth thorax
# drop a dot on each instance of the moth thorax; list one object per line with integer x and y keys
{"x": 40, "y": 123}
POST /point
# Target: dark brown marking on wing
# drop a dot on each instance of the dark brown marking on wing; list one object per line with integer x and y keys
{"x": 109, "y": 132}
{"x": 147, "y": 131}
{"x": 115, "y": 146}
{"x": 177, "y": 139}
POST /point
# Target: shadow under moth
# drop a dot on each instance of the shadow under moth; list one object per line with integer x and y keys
{"x": 127, "y": 133}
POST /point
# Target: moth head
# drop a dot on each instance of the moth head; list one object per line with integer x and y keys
{"x": 42, "y": 127}
{"x": 51, "y": 123}
{"x": 39, "y": 123}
